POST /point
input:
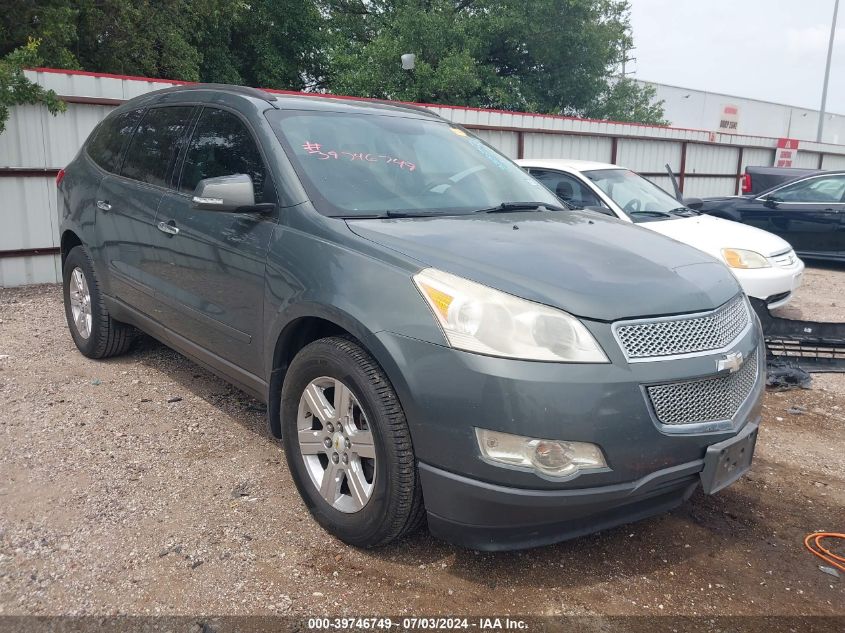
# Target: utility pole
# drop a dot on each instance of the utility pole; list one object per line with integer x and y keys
{"x": 827, "y": 71}
{"x": 626, "y": 59}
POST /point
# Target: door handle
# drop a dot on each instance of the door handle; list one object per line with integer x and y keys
{"x": 168, "y": 227}
{"x": 103, "y": 205}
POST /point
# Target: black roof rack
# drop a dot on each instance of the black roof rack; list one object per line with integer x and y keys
{"x": 407, "y": 106}
{"x": 274, "y": 99}
{"x": 243, "y": 90}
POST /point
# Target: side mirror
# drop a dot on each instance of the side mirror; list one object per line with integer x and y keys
{"x": 693, "y": 203}
{"x": 224, "y": 193}
{"x": 771, "y": 202}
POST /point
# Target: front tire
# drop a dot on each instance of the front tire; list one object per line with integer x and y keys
{"x": 95, "y": 332}
{"x": 348, "y": 446}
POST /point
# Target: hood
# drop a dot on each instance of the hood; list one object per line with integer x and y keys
{"x": 725, "y": 198}
{"x": 711, "y": 235}
{"x": 590, "y": 265}
{"x": 721, "y": 203}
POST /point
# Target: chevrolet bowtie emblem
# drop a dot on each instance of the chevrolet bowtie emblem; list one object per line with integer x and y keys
{"x": 732, "y": 362}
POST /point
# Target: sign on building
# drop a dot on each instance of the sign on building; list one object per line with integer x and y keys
{"x": 729, "y": 121}
{"x": 786, "y": 152}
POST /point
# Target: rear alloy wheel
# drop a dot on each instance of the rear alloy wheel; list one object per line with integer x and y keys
{"x": 348, "y": 446}
{"x": 95, "y": 332}
{"x": 80, "y": 303}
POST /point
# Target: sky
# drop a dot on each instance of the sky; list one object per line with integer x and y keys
{"x": 772, "y": 50}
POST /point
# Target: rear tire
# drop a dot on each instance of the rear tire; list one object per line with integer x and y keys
{"x": 348, "y": 446}
{"x": 95, "y": 332}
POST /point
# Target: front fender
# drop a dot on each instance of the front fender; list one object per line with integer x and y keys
{"x": 325, "y": 271}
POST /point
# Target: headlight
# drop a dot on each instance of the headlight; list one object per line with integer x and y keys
{"x": 741, "y": 258}
{"x": 553, "y": 458}
{"x": 478, "y": 319}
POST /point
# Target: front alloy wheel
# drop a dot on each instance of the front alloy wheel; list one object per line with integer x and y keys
{"x": 336, "y": 444}
{"x": 348, "y": 446}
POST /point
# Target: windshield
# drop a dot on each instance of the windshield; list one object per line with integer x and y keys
{"x": 365, "y": 165}
{"x": 639, "y": 198}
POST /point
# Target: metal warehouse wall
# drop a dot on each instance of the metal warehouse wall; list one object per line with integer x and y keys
{"x": 685, "y": 107}
{"x": 36, "y": 145}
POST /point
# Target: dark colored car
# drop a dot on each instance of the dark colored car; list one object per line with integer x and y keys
{"x": 808, "y": 212}
{"x": 433, "y": 335}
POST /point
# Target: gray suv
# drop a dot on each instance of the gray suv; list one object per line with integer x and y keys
{"x": 434, "y": 336}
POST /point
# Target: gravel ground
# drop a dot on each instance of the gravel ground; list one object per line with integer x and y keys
{"x": 145, "y": 485}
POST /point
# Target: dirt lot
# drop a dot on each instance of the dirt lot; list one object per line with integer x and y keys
{"x": 144, "y": 485}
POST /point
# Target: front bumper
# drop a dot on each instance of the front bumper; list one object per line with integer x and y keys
{"x": 776, "y": 281}
{"x": 485, "y": 516}
{"x": 446, "y": 394}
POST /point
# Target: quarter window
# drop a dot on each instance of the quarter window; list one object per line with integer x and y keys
{"x": 221, "y": 145}
{"x": 155, "y": 144}
{"x": 108, "y": 143}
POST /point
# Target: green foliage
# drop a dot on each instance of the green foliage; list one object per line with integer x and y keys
{"x": 626, "y": 100}
{"x": 551, "y": 56}
{"x": 137, "y": 37}
{"x": 557, "y": 56}
{"x": 16, "y": 89}
{"x": 268, "y": 43}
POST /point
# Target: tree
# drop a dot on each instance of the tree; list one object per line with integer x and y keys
{"x": 551, "y": 56}
{"x": 267, "y": 43}
{"x": 52, "y": 22}
{"x": 16, "y": 89}
{"x": 451, "y": 40}
{"x": 626, "y": 100}
{"x": 137, "y": 37}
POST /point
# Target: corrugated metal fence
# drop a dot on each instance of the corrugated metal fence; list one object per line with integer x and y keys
{"x": 36, "y": 145}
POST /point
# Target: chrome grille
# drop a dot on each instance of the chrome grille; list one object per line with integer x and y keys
{"x": 706, "y": 400}
{"x": 684, "y": 335}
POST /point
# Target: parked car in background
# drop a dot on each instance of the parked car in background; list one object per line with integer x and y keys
{"x": 764, "y": 264}
{"x": 434, "y": 334}
{"x": 758, "y": 179}
{"x": 808, "y": 212}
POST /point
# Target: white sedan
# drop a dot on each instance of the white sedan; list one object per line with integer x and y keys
{"x": 765, "y": 265}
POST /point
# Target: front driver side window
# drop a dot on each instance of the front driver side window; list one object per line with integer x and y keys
{"x": 823, "y": 189}
{"x": 223, "y": 146}
{"x": 569, "y": 189}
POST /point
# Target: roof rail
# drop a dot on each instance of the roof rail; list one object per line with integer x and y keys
{"x": 407, "y": 106}
{"x": 243, "y": 90}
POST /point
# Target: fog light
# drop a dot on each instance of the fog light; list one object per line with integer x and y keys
{"x": 552, "y": 458}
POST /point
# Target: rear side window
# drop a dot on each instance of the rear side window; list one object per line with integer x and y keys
{"x": 108, "y": 143}
{"x": 221, "y": 145}
{"x": 155, "y": 144}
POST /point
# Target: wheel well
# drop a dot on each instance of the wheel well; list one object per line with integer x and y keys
{"x": 293, "y": 338}
{"x": 69, "y": 241}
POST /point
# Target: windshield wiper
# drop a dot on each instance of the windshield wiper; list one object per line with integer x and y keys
{"x": 507, "y": 207}
{"x": 685, "y": 212}
{"x": 659, "y": 214}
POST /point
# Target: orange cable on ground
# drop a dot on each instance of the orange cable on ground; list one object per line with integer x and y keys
{"x": 813, "y": 543}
